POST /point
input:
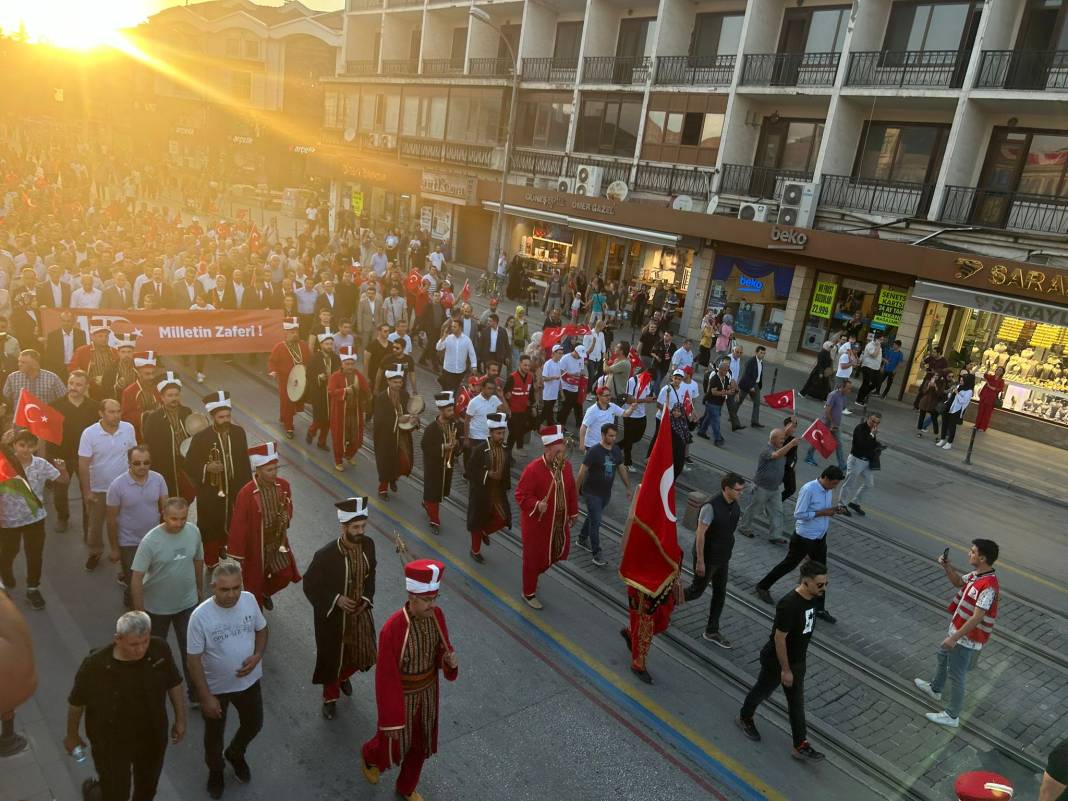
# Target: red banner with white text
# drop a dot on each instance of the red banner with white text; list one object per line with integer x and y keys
{"x": 174, "y": 332}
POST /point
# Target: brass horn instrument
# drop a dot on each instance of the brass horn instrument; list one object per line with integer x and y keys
{"x": 217, "y": 480}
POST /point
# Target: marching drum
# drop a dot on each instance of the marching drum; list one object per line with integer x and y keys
{"x": 297, "y": 383}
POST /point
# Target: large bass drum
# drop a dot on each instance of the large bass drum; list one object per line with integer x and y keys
{"x": 415, "y": 408}
{"x": 297, "y": 383}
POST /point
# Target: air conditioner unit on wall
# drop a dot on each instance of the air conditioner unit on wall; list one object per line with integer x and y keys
{"x": 754, "y": 212}
{"x": 588, "y": 179}
{"x": 798, "y": 205}
{"x": 565, "y": 184}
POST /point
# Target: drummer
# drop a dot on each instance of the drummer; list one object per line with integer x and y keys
{"x": 394, "y": 356}
{"x": 95, "y": 359}
{"x": 349, "y": 397}
{"x": 164, "y": 432}
{"x": 287, "y": 364}
{"x": 141, "y": 397}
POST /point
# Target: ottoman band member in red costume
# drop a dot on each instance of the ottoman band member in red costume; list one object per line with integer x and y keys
{"x": 259, "y": 526}
{"x": 141, "y": 397}
{"x": 340, "y": 583}
{"x": 548, "y": 502}
{"x": 489, "y": 476}
{"x": 350, "y": 397}
{"x": 412, "y": 647}
{"x": 441, "y": 448}
{"x": 96, "y": 358}
{"x": 284, "y": 356}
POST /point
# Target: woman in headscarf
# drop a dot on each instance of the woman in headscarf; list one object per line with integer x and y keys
{"x": 818, "y": 385}
{"x": 959, "y": 399}
{"x": 518, "y": 332}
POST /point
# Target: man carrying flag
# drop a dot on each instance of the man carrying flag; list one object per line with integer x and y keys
{"x": 41, "y": 419}
{"x": 651, "y": 556}
{"x": 639, "y": 395}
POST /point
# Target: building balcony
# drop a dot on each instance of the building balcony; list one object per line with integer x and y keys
{"x": 934, "y": 69}
{"x": 539, "y": 163}
{"x": 694, "y": 70}
{"x": 613, "y": 170}
{"x": 1027, "y": 70}
{"x": 550, "y": 70}
{"x": 399, "y": 67}
{"x": 1018, "y": 211}
{"x": 897, "y": 198}
{"x": 443, "y": 67}
{"x": 615, "y": 69}
{"x": 490, "y": 67}
{"x": 472, "y": 155}
{"x": 362, "y": 67}
{"x": 758, "y": 182}
{"x": 790, "y": 69}
{"x": 424, "y": 149}
{"x": 673, "y": 180}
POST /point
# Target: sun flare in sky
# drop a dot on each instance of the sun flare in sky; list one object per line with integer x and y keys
{"x": 75, "y": 24}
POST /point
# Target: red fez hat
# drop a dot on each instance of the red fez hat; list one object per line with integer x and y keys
{"x": 983, "y": 785}
{"x": 423, "y": 576}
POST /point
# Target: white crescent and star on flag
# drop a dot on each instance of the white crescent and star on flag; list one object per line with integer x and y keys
{"x": 667, "y": 481}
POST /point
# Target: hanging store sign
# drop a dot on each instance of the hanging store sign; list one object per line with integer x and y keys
{"x": 823, "y": 299}
{"x": 1048, "y": 281}
{"x": 456, "y": 189}
{"x": 996, "y": 304}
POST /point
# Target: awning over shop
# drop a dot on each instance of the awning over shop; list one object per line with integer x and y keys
{"x": 624, "y": 231}
{"x": 997, "y": 304}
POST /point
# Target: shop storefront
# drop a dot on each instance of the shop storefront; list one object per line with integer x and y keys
{"x": 837, "y": 303}
{"x": 986, "y": 331}
{"x": 755, "y": 293}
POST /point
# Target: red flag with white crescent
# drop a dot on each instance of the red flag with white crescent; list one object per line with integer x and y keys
{"x": 781, "y": 400}
{"x": 465, "y": 292}
{"x": 41, "y": 419}
{"x": 821, "y": 438}
{"x": 651, "y": 551}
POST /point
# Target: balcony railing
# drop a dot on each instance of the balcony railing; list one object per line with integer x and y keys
{"x": 400, "y": 66}
{"x": 364, "y": 5}
{"x": 426, "y": 149}
{"x": 694, "y": 70}
{"x": 615, "y": 69}
{"x": 758, "y": 182}
{"x": 490, "y": 67}
{"x": 443, "y": 66}
{"x": 899, "y": 198}
{"x": 967, "y": 205}
{"x": 550, "y": 70}
{"x": 613, "y": 170}
{"x": 890, "y": 68}
{"x": 672, "y": 180}
{"x": 790, "y": 69}
{"x": 470, "y": 155}
{"x": 1029, "y": 70}
{"x": 537, "y": 162}
{"x": 364, "y": 67}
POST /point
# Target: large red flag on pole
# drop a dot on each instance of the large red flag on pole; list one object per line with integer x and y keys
{"x": 651, "y": 552}
{"x": 820, "y": 437}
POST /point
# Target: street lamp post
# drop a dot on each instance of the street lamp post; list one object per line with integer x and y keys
{"x": 482, "y": 16}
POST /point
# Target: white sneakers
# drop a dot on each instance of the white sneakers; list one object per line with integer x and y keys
{"x": 925, "y": 688}
{"x": 200, "y": 378}
{"x": 947, "y": 446}
{"x": 943, "y": 719}
{"x": 939, "y": 443}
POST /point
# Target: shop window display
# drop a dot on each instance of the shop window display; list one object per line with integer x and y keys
{"x": 856, "y": 307}
{"x": 754, "y": 292}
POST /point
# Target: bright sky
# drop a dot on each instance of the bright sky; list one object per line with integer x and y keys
{"x": 84, "y": 24}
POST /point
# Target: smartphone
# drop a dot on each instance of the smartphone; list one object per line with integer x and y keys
{"x": 945, "y": 556}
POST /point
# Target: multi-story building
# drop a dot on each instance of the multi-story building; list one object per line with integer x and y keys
{"x": 232, "y": 88}
{"x": 799, "y": 162}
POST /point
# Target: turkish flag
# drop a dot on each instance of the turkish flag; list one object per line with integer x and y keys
{"x": 820, "y": 437}
{"x": 635, "y": 360}
{"x": 687, "y": 405}
{"x": 465, "y": 292}
{"x": 651, "y": 552}
{"x": 41, "y": 419}
{"x": 781, "y": 400}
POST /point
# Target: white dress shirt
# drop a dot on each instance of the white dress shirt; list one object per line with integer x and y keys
{"x": 80, "y": 299}
{"x": 68, "y": 345}
{"x": 459, "y": 353}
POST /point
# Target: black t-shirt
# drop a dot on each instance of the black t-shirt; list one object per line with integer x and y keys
{"x": 75, "y": 420}
{"x": 1057, "y": 766}
{"x": 796, "y": 616}
{"x": 601, "y": 466}
{"x": 375, "y": 353}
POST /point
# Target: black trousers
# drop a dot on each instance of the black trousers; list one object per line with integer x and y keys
{"x": 61, "y": 499}
{"x": 10, "y": 540}
{"x": 768, "y": 680}
{"x": 816, "y": 550}
{"x": 870, "y": 379}
{"x": 633, "y": 431}
{"x": 716, "y": 575}
{"x": 571, "y": 401}
{"x": 118, "y": 763}
{"x": 548, "y": 412}
{"x": 161, "y": 626}
{"x": 450, "y": 382}
{"x": 249, "y": 706}
{"x": 518, "y": 426}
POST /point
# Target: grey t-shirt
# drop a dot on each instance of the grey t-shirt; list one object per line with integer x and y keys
{"x": 769, "y": 472}
{"x": 170, "y": 583}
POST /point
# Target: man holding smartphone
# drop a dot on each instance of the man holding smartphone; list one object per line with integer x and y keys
{"x": 812, "y": 517}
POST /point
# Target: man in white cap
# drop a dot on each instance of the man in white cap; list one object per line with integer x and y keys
{"x": 573, "y": 384}
{"x": 412, "y": 647}
{"x": 141, "y": 397}
{"x": 258, "y": 536}
{"x": 350, "y": 397}
{"x": 323, "y": 364}
{"x": 164, "y": 431}
{"x": 340, "y": 584}
{"x": 550, "y": 384}
{"x": 217, "y": 463}
{"x": 96, "y": 358}
{"x": 284, "y": 357}
{"x": 122, "y": 373}
{"x": 548, "y": 502}
{"x": 441, "y": 447}
{"x": 489, "y": 476}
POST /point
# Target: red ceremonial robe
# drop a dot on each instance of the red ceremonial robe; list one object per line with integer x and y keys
{"x": 536, "y": 484}
{"x": 82, "y": 359}
{"x": 335, "y": 391}
{"x": 245, "y": 542}
{"x": 280, "y": 362}
{"x": 133, "y": 405}
{"x": 390, "y": 694}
